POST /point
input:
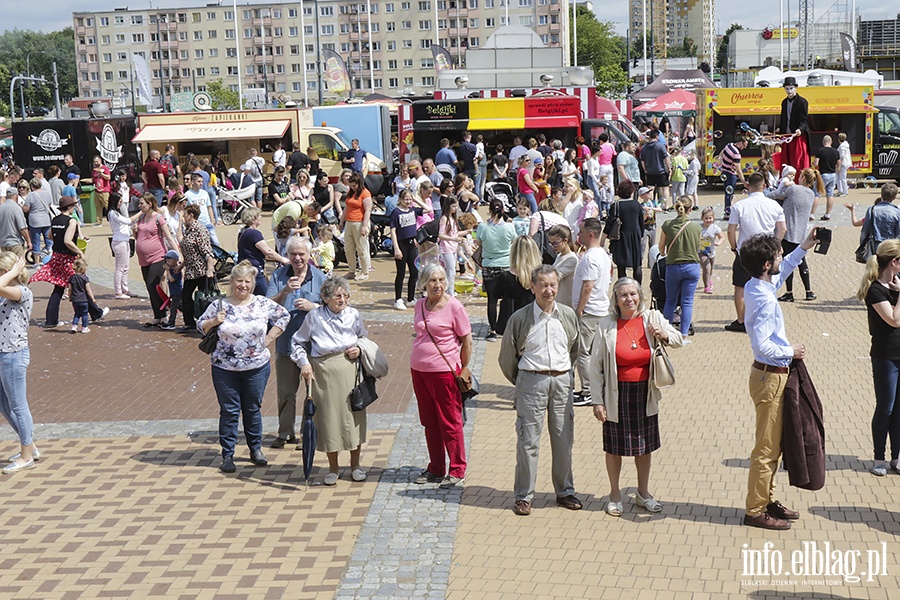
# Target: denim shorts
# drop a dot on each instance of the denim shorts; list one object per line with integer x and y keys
{"x": 828, "y": 179}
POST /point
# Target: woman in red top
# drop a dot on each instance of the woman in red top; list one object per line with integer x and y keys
{"x": 152, "y": 233}
{"x": 356, "y": 227}
{"x": 525, "y": 182}
{"x": 625, "y": 399}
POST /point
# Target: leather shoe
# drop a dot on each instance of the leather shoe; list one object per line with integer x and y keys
{"x": 522, "y": 508}
{"x": 570, "y": 502}
{"x": 258, "y": 458}
{"x": 780, "y": 511}
{"x": 228, "y": 465}
{"x": 766, "y": 521}
{"x": 280, "y": 442}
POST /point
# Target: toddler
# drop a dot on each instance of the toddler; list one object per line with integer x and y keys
{"x": 80, "y": 294}
{"x": 710, "y": 236}
{"x": 283, "y": 232}
{"x": 174, "y": 281}
{"x": 522, "y": 220}
{"x": 323, "y": 252}
{"x": 604, "y": 195}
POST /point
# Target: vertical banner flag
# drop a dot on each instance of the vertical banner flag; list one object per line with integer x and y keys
{"x": 848, "y": 52}
{"x": 442, "y": 58}
{"x": 336, "y": 72}
{"x": 142, "y": 75}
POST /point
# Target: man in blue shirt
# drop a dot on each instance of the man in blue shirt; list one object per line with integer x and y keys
{"x": 354, "y": 158}
{"x": 446, "y": 156}
{"x": 296, "y": 287}
{"x": 761, "y": 256}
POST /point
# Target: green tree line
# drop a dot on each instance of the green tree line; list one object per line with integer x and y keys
{"x": 37, "y": 51}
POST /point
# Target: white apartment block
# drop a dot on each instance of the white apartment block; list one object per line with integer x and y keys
{"x": 386, "y": 45}
{"x": 672, "y": 21}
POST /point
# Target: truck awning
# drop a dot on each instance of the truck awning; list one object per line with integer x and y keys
{"x": 727, "y": 111}
{"x": 191, "y": 132}
{"x": 820, "y": 109}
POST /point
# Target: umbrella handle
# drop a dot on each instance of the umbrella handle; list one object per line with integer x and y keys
{"x": 308, "y": 392}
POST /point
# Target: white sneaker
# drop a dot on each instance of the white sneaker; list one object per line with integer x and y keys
{"x": 411, "y": 304}
{"x": 105, "y": 312}
{"x": 85, "y": 330}
{"x": 399, "y": 304}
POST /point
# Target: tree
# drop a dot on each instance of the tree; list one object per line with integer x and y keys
{"x": 35, "y": 51}
{"x": 600, "y": 47}
{"x": 722, "y": 52}
{"x": 686, "y": 49}
{"x": 222, "y": 98}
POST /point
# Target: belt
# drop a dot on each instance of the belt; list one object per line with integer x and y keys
{"x": 550, "y": 373}
{"x": 770, "y": 368}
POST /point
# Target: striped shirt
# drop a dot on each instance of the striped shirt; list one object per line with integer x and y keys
{"x": 731, "y": 159}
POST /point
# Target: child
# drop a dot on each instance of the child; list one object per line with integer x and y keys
{"x": 710, "y": 237}
{"x": 283, "y": 232}
{"x": 403, "y": 236}
{"x": 522, "y": 220}
{"x": 679, "y": 177}
{"x": 174, "y": 281}
{"x": 589, "y": 207}
{"x": 604, "y": 195}
{"x": 450, "y": 236}
{"x": 693, "y": 177}
{"x": 80, "y": 294}
{"x": 765, "y": 167}
{"x": 324, "y": 248}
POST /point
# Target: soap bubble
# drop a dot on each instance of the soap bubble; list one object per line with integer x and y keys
{"x": 729, "y": 189}
{"x": 718, "y": 133}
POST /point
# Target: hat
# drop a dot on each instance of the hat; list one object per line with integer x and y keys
{"x": 66, "y": 201}
{"x": 644, "y": 190}
{"x": 172, "y": 254}
{"x": 788, "y": 170}
{"x": 538, "y": 160}
{"x": 789, "y": 81}
{"x": 71, "y": 176}
{"x": 11, "y": 192}
{"x": 232, "y": 171}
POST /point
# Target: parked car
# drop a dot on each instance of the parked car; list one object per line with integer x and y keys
{"x": 37, "y": 111}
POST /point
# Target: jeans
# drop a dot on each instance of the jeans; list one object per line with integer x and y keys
{"x": 13, "y": 394}
{"x": 212, "y": 234}
{"x": 81, "y": 314}
{"x": 240, "y": 395}
{"x": 174, "y": 304}
{"x": 481, "y": 179}
{"x": 886, "y": 419}
{"x": 828, "y": 179}
{"x": 531, "y": 202}
{"x": 681, "y": 283}
{"x": 214, "y": 202}
{"x": 261, "y": 286}
{"x": 410, "y": 252}
{"x": 38, "y": 233}
{"x": 730, "y": 182}
{"x": 158, "y": 193}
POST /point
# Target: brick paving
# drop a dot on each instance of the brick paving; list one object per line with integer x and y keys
{"x": 127, "y": 504}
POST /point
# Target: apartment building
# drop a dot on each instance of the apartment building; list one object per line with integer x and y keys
{"x": 386, "y": 45}
{"x": 673, "y": 21}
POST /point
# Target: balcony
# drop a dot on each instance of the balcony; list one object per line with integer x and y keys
{"x": 260, "y": 59}
{"x": 81, "y": 30}
{"x": 554, "y": 27}
{"x": 461, "y": 32}
{"x": 263, "y": 21}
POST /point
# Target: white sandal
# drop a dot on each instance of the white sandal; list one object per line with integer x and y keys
{"x": 614, "y": 509}
{"x": 648, "y": 504}
{"x": 331, "y": 479}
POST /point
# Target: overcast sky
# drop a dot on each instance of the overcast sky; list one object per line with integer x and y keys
{"x": 57, "y": 14}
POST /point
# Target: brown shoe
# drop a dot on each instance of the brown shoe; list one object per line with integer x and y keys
{"x": 522, "y": 508}
{"x": 780, "y": 511}
{"x": 765, "y": 521}
{"x": 570, "y": 502}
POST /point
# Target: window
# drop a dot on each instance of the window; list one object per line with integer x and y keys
{"x": 295, "y": 68}
{"x": 137, "y": 38}
{"x": 310, "y": 48}
{"x": 230, "y": 53}
{"x": 526, "y": 20}
{"x": 107, "y": 76}
{"x": 442, "y": 24}
{"x": 198, "y": 35}
{"x": 121, "y": 56}
{"x": 407, "y": 63}
{"x": 120, "y": 38}
{"x": 424, "y": 44}
{"x": 392, "y": 82}
{"x": 474, "y": 42}
{"x": 107, "y": 58}
{"x": 307, "y": 11}
{"x": 326, "y": 11}
{"x": 123, "y": 74}
{"x": 276, "y": 13}
{"x": 376, "y": 27}
{"x": 376, "y": 46}
{"x": 137, "y": 19}
{"x": 503, "y": 22}
{"x": 279, "y": 68}
{"x": 232, "y": 70}
{"x": 104, "y": 21}
{"x": 442, "y": 5}
{"x": 200, "y": 71}
{"x": 182, "y": 17}
{"x": 89, "y": 22}
{"x": 543, "y": 20}
{"x": 251, "y": 70}
{"x": 427, "y": 63}
{"x": 229, "y": 15}
{"x": 392, "y": 64}
{"x": 424, "y": 25}
{"x": 407, "y": 81}
{"x": 345, "y": 28}
{"x": 392, "y": 45}
{"x": 294, "y": 50}
{"x": 404, "y": 6}
{"x": 95, "y": 77}
{"x": 214, "y": 70}
{"x": 525, "y": 3}
{"x": 91, "y": 40}
{"x": 472, "y": 4}
{"x": 278, "y": 32}
{"x": 293, "y": 31}
{"x": 424, "y": 6}
{"x": 229, "y": 34}
{"x": 292, "y": 13}
{"x": 210, "y": 16}
{"x": 119, "y": 20}
{"x": 195, "y": 17}
{"x": 407, "y": 44}
{"x": 391, "y": 26}
{"x": 473, "y": 23}
{"x": 345, "y": 47}
{"x": 310, "y": 66}
{"x": 246, "y": 14}
{"x": 328, "y": 29}
{"x": 297, "y": 86}
{"x": 489, "y": 3}
{"x": 554, "y": 38}
{"x": 186, "y": 72}
{"x": 376, "y": 64}
{"x": 182, "y": 36}
{"x": 377, "y": 83}
{"x": 428, "y": 81}
{"x": 308, "y": 30}
{"x": 279, "y": 50}
{"x": 405, "y": 24}
{"x": 326, "y": 146}
{"x": 198, "y": 53}
{"x": 213, "y": 52}
{"x": 389, "y": 7}
{"x": 183, "y": 54}
{"x": 104, "y": 39}
{"x": 248, "y": 33}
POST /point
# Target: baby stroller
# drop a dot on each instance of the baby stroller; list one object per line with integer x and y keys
{"x": 225, "y": 261}
{"x": 234, "y": 202}
{"x": 503, "y": 191}
{"x": 380, "y": 234}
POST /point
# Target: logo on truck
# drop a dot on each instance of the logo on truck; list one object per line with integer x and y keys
{"x": 108, "y": 148}
{"x": 49, "y": 140}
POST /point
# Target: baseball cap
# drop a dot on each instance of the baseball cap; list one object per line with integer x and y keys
{"x": 72, "y": 176}
{"x": 172, "y": 254}
{"x": 644, "y": 190}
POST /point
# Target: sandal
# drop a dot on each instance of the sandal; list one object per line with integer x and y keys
{"x": 614, "y": 509}
{"x": 648, "y": 504}
{"x": 331, "y": 479}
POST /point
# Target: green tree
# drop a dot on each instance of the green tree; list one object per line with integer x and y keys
{"x": 600, "y": 47}
{"x": 685, "y": 49}
{"x": 722, "y": 51}
{"x": 35, "y": 51}
{"x": 222, "y": 97}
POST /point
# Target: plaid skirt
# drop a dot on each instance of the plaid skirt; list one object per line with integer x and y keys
{"x": 635, "y": 434}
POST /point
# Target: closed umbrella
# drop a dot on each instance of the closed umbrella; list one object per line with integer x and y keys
{"x": 308, "y": 434}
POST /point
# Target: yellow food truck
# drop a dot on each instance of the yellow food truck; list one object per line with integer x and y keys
{"x": 832, "y": 110}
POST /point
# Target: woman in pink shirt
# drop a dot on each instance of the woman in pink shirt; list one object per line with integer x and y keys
{"x": 606, "y": 157}
{"x": 152, "y": 233}
{"x": 441, "y": 351}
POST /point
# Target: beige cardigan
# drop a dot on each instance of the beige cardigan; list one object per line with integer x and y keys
{"x": 604, "y": 373}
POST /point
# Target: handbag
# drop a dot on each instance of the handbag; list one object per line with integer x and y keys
{"x": 363, "y": 393}
{"x": 206, "y": 295}
{"x": 614, "y": 230}
{"x": 662, "y": 371}
{"x": 210, "y": 338}
{"x": 465, "y": 380}
{"x": 131, "y": 243}
{"x": 867, "y": 247}
{"x": 477, "y": 256}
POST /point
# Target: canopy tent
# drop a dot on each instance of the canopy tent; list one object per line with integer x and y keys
{"x": 679, "y": 103}
{"x": 670, "y": 80}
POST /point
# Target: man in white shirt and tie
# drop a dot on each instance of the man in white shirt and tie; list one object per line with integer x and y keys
{"x": 537, "y": 354}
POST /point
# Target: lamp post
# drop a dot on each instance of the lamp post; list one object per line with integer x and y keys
{"x": 28, "y": 63}
{"x": 237, "y": 54}
{"x": 162, "y": 73}
{"x": 318, "y": 54}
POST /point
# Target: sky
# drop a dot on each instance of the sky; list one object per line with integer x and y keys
{"x": 56, "y": 14}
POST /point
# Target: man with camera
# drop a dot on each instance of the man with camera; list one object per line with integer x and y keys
{"x": 762, "y": 257}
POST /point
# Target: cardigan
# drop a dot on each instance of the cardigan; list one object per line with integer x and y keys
{"x": 517, "y": 328}
{"x": 604, "y": 373}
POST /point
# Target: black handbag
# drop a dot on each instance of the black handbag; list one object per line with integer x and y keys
{"x": 206, "y": 295}
{"x": 363, "y": 394}
{"x": 210, "y": 340}
{"x": 548, "y": 254}
{"x": 614, "y": 230}
{"x": 868, "y": 247}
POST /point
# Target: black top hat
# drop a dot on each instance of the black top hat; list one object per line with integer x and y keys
{"x": 789, "y": 81}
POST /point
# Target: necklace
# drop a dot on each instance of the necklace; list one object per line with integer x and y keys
{"x": 634, "y": 344}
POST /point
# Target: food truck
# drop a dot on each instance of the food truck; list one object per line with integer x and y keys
{"x": 847, "y": 109}
{"x": 423, "y": 123}
{"x": 234, "y": 133}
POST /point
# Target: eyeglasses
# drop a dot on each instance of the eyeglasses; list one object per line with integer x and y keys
{"x": 556, "y": 243}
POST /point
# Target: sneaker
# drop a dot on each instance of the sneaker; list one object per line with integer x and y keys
{"x": 826, "y": 217}
{"x": 279, "y": 442}
{"x": 451, "y": 481}
{"x": 708, "y": 290}
{"x": 410, "y": 303}
{"x": 168, "y": 327}
{"x": 879, "y": 469}
{"x": 581, "y": 399}
{"x": 491, "y": 335}
{"x": 399, "y": 304}
{"x": 361, "y": 277}
{"x": 786, "y": 297}
{"x": 74, "y": 328}
{"x": 736, "y": 326}
{"x": 105, "y": 312}
{"x": 811, "y": 296}
{"x": 427, "y": 477}
{"x": 85, "y": 330}
{"x": 122, "y": 297}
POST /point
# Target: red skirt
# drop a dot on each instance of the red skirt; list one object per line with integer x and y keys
{"x": 57, "y": 271}
{"x": 796, "y": 153}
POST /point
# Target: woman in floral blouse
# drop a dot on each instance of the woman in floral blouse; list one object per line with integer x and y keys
{"x": 240, "y": 362}
{"x": 199, "y": 262}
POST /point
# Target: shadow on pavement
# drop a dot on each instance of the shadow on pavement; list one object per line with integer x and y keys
{"x": 833, "y": 462}
{"x": 882, "y": 520}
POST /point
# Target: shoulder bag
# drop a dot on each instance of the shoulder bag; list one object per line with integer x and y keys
{"x": 614, "y": 230}
{"x": 206, "y": 294}
{"x": 210, "y": 338}
{"x": 363, "y": 393}
{"x": 548, "y": 254}
{"x": 662, "y": 371}
{"x": 868, "y": 246}
{"x": 465, "y": 380}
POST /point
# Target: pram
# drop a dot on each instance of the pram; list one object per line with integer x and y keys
{"x": 380, "y": 233}
{"x": 234, "y": 202}
{"x": 225, "y": 261}
{"x": 503, "y": 191}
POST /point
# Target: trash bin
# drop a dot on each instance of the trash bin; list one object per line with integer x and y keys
{"x": 86, "y": 195}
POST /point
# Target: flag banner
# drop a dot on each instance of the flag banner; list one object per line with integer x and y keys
{"x": 442, "y": 58}
{"x": 142, "y": 76}
{"x": 848, "y": 52}
{"x": 336, "y": 73}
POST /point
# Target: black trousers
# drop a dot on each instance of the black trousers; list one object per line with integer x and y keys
{"x": 410, "y": 253}
{"x": 187, "y": 301}
{"x": 153, "y": 274}
{"x": 803, "y": 269}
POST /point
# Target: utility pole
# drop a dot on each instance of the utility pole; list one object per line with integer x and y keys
{"x": 262, "y": 31}
{"x": 56, "y": 91}
{"x": 20, "y": 79}
{"x": 318, "y": 54}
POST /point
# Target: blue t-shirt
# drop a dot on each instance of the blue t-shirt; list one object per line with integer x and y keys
{"x": 496, "y": 241}
{"x": 176, "y": 285}
{"x": 69, "y": 190}
{"x": 404, "y": 221}
{"x": 247, "y": 249}
{"x": 522, "y": 225}
{"x": 445, "y": 156}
